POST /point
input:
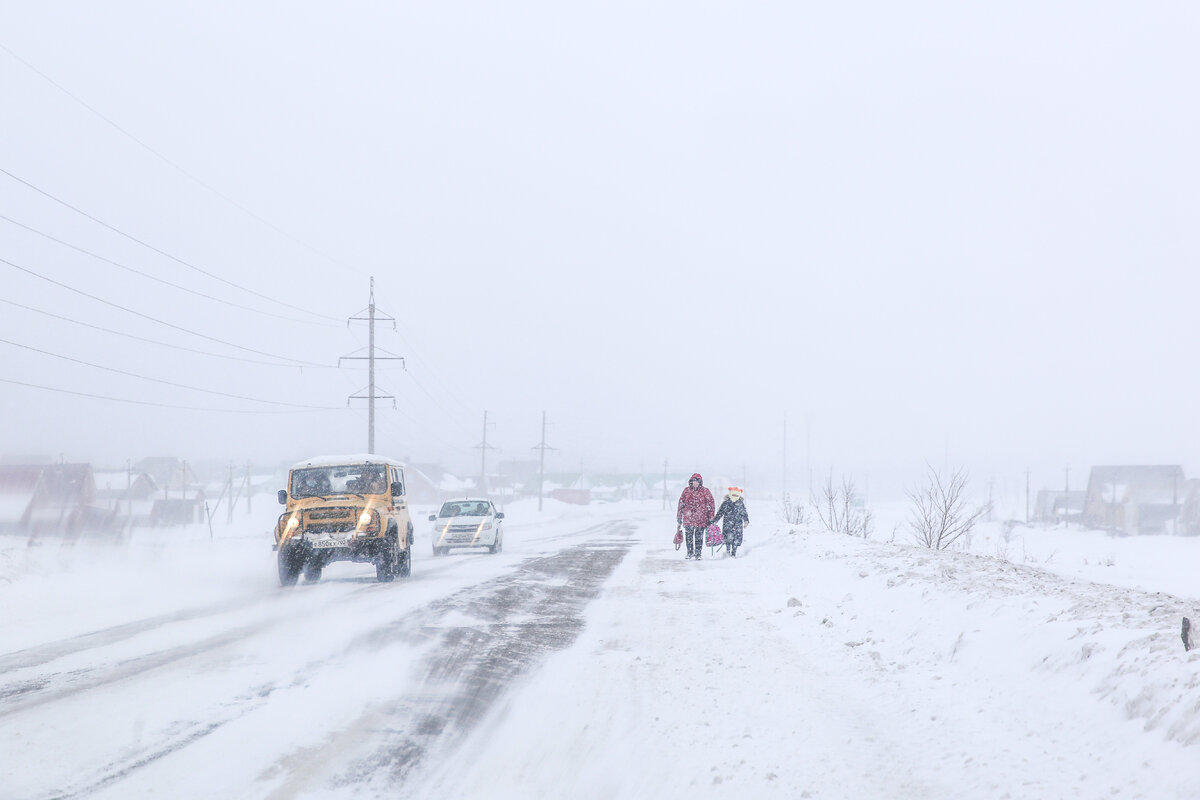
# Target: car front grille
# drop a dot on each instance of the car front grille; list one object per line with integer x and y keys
{"x": 338, "y": 519}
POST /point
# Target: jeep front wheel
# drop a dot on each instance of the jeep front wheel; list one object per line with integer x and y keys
{"x": 387, "y": 563}
{"x": 290, "y": 565}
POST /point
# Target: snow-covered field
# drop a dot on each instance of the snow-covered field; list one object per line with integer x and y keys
{"x": 1044, "y": 664}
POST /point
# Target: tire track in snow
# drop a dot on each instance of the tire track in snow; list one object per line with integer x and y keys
{"x": 518, "y": 619}
{"x": 38, "y": 655}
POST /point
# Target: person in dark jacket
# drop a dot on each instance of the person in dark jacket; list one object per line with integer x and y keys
{"x": 733, "y": 511}
{"x": 695, "y": 512}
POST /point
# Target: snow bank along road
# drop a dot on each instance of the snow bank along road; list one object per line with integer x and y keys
{"x": 820, "y": 666}
{"x": 346, "y": 684}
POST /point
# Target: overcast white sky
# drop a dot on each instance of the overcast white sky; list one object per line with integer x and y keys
{"x": 922, "y": 231}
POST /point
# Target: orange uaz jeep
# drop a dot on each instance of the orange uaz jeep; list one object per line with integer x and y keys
{"x": 344, "y": 508}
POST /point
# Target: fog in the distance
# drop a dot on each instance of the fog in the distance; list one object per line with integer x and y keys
{"x": 918, "y": 233}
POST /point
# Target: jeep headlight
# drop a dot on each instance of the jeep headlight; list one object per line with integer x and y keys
{"x": 286, "y": 529}
{"x": 368, "y": 521}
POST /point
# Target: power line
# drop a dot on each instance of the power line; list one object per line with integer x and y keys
{"x": 161, "y": 252}
{"x": 450, "y": 391}
{"x": 155, "y": 319}
{"x": 158, "y": 405}
{"x": 161, "y": 344}
{"x": 156, "y": 278}
{"x": 159, "y": 380}
{"x": 386, "y": 421}
{"x": 169, "y": 162}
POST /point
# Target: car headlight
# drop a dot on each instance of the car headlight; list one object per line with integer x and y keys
{"x": 368, "y": 521}
{"x": 294, "y": 522}
{"x": 487, "y": 526}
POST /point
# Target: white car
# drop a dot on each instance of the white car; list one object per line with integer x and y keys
{"x": 469, "y": 522}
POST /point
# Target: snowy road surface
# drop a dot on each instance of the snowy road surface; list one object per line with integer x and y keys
{"x": 589, "y": 660}
{"x": 346, "y": 683}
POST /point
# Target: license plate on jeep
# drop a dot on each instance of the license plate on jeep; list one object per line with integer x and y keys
{"x": 331, "y": 541}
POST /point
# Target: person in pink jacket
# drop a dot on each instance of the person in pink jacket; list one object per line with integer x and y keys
{"x": 695, "y": 512}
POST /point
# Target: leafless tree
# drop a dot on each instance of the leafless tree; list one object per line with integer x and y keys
{"x": 840, "y": 509}
{"x": 792, "y": 511}
{"x": 940, "y": 513}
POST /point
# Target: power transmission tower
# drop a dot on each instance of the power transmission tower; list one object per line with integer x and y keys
{"x": 371, "y": 358}
{"x": 483, "y": 448}
{"x": 542, "y": 460}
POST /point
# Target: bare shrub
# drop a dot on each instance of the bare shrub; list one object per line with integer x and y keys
{"x": 940, "y": 513}
{"x": 792, "y": 511}
{"x": 840, "y": 509}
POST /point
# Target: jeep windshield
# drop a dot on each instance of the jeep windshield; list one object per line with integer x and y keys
{"x": 465, "y": 508}
{"x": 326, "y": 481}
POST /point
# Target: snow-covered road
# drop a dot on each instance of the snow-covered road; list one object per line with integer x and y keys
{"x": 589, "y": 660}
{"x": 272, "y": 693}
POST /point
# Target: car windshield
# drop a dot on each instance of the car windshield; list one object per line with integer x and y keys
{"x": 465, "y": 508}
{"x": 325, "y": 481}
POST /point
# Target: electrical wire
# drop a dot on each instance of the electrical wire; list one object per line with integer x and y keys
{"x": 161, "y": 252}
{"x": 155, "y": 319}
{"x": 385, "y": 421}
{"x": 161, "y": 344}
{"x": 449, "y": 391}
{"x": 171, "y": 163}
{"x": 164, "y": 281}
{"x": 161, "y": 381}
{"x": 160, "y": 405}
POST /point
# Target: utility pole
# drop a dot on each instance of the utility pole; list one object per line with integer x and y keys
{"x": 542, "y": 461}
{"x": 1067, "y": 495}
{"x": 229, "y": 516}
{"x": 249, "y": 486}
{"x": 483, "y": 448}
{"x": 664, "y": 484}
{"x": 1027, "y": 495}
{"x": 808, "y": 453}
{"x": 371, "y": 358}
{"x": 785, "y": 479}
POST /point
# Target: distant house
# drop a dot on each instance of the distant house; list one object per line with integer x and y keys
{"x": 420, "y": 487}
{"x": 127, "y": 495}
{"x": 43, "y": 500}
{"x": 578, "y": 497}
{"x": 1135, "y": 499}
{"x": 182, "y": 494}
{"x": 19, "y": 484}
{"x": 433, "y": 484}
{"x": 167, "y": 471}
{"x": 123, "y": 485}
{"x": 637, "y": 489}
{"x": 1052, "y": 507}
{"x": 1189, "y": 516}
{"x": 181, "y": 509}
